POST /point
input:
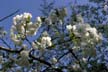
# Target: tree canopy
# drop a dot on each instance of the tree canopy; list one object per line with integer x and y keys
{"x": 57, "y": 41}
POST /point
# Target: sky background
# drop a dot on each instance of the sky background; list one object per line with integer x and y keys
{"x": 32, "y": 6}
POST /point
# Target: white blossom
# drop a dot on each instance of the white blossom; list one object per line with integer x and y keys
{"x": 23, "y": 26}
{"x": 86, "y": 33}
{"x": 16, "y": 41}
{"x": 38, "y": 19}
{"x": 20, "y": 28}
{"x": 46, "y": 41}
{"x": 69, "y": 27}
{"x": 17, "y": 19}
{"x": 31, "y": 25}
{"x": 84, "y": 59}
{"x": 31, "y": 31}
{"x": 27, "y": 15}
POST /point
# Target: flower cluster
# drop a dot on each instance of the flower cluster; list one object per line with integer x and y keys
{"x": 22, "y": 27}
{"x": 56, "y": 15}
{"x": 44, "y": 42}
{"x": 86, "y": 33}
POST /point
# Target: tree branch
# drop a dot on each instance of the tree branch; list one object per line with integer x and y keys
{"x": 71, "y": 51}
{"x": 11, "y": 50}
{"x": 40, "y": 60}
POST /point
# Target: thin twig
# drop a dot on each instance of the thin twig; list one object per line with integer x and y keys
{"x": 71, "y": 51}
{"x": 5, "y": 42}
{"x": 28, "y": 41}
{"x": 9, "y": 15}
{"x": 63, "y": 55}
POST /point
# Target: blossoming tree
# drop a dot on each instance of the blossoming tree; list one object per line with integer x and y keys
{"x": 50, "y": 44}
